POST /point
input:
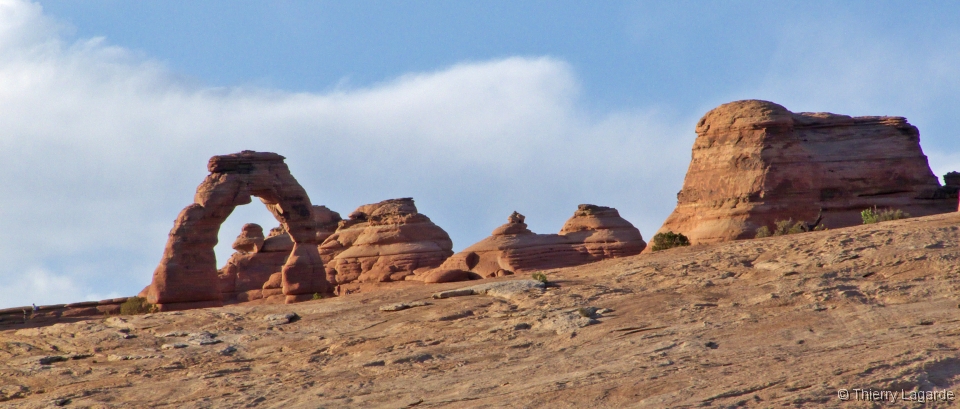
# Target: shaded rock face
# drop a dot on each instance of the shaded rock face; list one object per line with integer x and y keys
{"x": 187, "y": 275}
{"x": 250, "y": 239}
{"x": 593, "y": 233}
{"x": 755, "y": 162}
{"x": 382, "y": 242}
{"x": 951, "y": 183}
{"x": 254, "y": 272}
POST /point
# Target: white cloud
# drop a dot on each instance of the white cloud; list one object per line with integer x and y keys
{"x": 37, "y": 286}
{"x": 102, "y": 148}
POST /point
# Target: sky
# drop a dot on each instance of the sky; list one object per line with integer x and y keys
{"x": 109, "y": 109}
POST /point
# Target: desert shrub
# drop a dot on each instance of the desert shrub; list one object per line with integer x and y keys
{"x": 317, "y": 296}
{"x": 892, "y": 214}
{"x": 540, "y": 277}
{"x": 785, "y": 227}
{"x": 135, "y": 306}
{"x": 669, "y": 240}
{"x": 873, "y": 215}
{"x": 796, "y": 228}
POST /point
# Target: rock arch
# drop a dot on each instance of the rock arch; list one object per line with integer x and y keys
{"x": 187, "y": 274}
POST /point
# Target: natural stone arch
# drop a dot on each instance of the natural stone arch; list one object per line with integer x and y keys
{"x": 187, "y": 274}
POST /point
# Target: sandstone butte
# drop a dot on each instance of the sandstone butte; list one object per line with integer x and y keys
{"x": 383, "y": 242}
{"x": 754, "y": 163}
{"x": 593, "y": 233}
{"x": 187, "y": 275}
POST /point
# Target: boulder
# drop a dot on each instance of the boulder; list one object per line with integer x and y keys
{"x": 250, "y": 239}
{"x": 382, "y": 242}
{"x": 593, "y": 233}
{"x": 755, "y": 162}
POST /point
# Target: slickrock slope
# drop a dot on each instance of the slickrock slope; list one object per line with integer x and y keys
{"x": 593, "y": 233}
{"x": 384, "y": 241}
{"x": 777, "y": 322}
{"x": 754, "y": 162}
{"x": 187, "y": 274}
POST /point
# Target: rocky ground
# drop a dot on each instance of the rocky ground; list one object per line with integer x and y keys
{"x": 776, "y": 322}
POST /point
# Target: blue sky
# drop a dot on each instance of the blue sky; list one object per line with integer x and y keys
{"x": 109, "y": 109}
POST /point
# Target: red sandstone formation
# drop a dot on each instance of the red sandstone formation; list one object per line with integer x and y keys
{"x": 385, "y": 241}
{"x": 754, "y": 162}
{"x": 250, "y": 239}
{"x": 187, "y": 274}
{"x": 593, "y": 233}
{"x": 600, "y": 232}
{"x": 243, "y": 277}
{"x": 253, "y": 273}
{"x": 327, "y": 222}
{"x": 951, "y": 183}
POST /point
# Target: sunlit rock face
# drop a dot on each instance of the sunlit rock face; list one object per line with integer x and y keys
{"x": 594, "y": 233}
{"x": 385, "y": 241}
{"x": 755, "y": 162}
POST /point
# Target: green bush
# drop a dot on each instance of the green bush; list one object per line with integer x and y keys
{"x": 540, "y": 277}
{"x": 317, "y": 296}
{"x": 785, "y": 227}
{"x": 873, "y": 215}
{"x": 136, "y": 305}
{"x": 669, "y": 240}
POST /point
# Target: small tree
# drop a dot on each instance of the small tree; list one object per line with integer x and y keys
{"x": 892, "y": 214}
{"x": 669, "y": 240}
{"x": 763, "y": 231}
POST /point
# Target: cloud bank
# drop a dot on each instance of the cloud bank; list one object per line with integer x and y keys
{"x": 103, "y": 147}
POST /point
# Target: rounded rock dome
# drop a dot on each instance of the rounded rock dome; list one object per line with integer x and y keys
{"x": 749, "y": 113}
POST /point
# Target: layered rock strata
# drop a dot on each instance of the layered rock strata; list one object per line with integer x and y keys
{"x": 382, "y": 242}
{"x": 601, "y": 233}
{"x": 187, "y": 275}
{"x": 593, "y": 233}
{"x": 755, "y": 162}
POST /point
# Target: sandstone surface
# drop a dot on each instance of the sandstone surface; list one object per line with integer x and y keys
{"x": 187, "y": 275}
{"x": 383, "y": 242}
{"x": 593, "y": 233}
{"x": 755, "y": 162}
{"x": 776, "y": 322}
